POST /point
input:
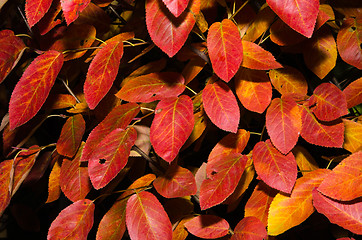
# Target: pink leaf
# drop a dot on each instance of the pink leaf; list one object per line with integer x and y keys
{"x": 208, "y": 226}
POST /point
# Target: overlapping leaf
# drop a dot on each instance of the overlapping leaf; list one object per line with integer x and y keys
{"x": 284, "y": 123}
{"x": 146, "y": 219}
{"x": 176, "y": 7}
{"x": 72, "y": 8}
{"x": 301, "y": 15}
{"x": 33, "y": 87}
{"x": 345, "y": 181}
{"x": 95, "y": 16}
{"x": 208, "y": 226}
{"x": 253, "y": 89}
{"x": 54, "y": 189}
{"x": 225, "y": 174}
{"x": 225, "y": 49}
{"x": 255, "y": 57}
{"x": 36, "y": 9}
{"x": 177, "y": 182}
{"x": 305, "y": 161}
{"x": 344, "y": 214}
{"x": 276, "y": 169}
{"x": 73, "y": 222}
{"x": 102, "y": 72}
{"x": 221, "y": 106}
{"x": 110, "y": 156}
{"x": 49, "y": 20}
{"x": 152, "y": 87}
{"x": 172, "y": 125}
{"x": 59, "y": 101}
{"x": 166, "y": 31}
{"x": 353, "y": 93}
{"x": 249, "y": 228}
{"x": 71, "y": 136}
{"x": 5, "y": 170}
{"x": 286, "y": 212}
{"x": 326, "y": 134}
{"x": 352, "y": 136}
{"x": 119, "y": 117}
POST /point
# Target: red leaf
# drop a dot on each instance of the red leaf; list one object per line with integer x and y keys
{"x": 225, "y": 48}
{"x": 36, "y": 9}
{"x": 177, "y": 182}
{"x": 349, "y": 40}
{"x": 74, "y": 180}
{"x": 226, "y": 173}
{"x": 353, "y": 93}
{"x": 284, "y": 123}
{"x": 330, "y": 102}
{"x": 33, "y": 87}
{"x": 152, "y": 87}
{"x": 176, "y": 7}
{"x": 345, "y": 181}
{"x": 73, "y": 222}
{"x": 102, "y": 72}
{"x": 49, "y": 20}
{"x": 221, "y": 106}
{"x": 172, "y": 125}
{"x": 119, "y": 117}
{"x": 275, "y": 169}
{"x": 249, "y": 228}
{"x": 352, "y": 136}
{"x": 326, "y": 134}
{"x": 208, "y": 226}
{"x": 301, "y": 15}
{"x": 11, "y": 49}
{"x": 72, "y": 8}
{"x": 253, "y": 89}
{"x": 255, "y": 57}
{"x": 146, "y": 219}
{"x": 71, "y": 136}
{"x": 5, "y": 170}
{"x": 110, "y": 156}
{"x": 345, "y": 214}
{"x": 166, "y": 31}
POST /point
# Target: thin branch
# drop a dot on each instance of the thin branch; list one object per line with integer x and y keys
{"x": 70, "y": 90}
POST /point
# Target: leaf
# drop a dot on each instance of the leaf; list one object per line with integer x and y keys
{"x": 119, "y": 117}
{"x": 176, "y": 182}
{"x": 320, "y": 53}
{"x": 49, "y": 20}
{"x": 305, "y": 161}
{"x": 284, "y": 123}
{"x": 35, "y": 10}
{"x": 171, "y": 126}
{"x": 110, "y": 156}
{"x": 72, "y": 8}
{"x": 33, "y": 87}
{"x": 11, "y": 49}
{"x": 53, "y": 184}
{"x": 74, "y": 180}
{"x": 59, "y": 101}
{"x": 176, "y": 7}
{"x": 344, "y": 214}
{"x": 221, "y": 106}
{"x": 326, "y": 134}
{"x": 221, "y": 183}
{"x": 289, "y": 81}
{"x": 146, "y": 219}
{"x": 95, "y": 16}
{"x": 249, "y": 228}
{"x": 180, "y": 232}
{"x": 102, "y": 72}
{"x": 253, "y": 89}
{"x": 301, "y": 15}
{"x": 168, "y": 32}
{"x": 208, "y": 226}
{"x": 152, "y": 87}
{"x": 255, "y": 57}
{"x": 71, "y": 136}
{"x": 225, "y": 49}
{"x": 353, "y": 93}
{"x": 286, "y": 212}
{"x": 5, "y": 173}
{"x": 73, "y": 222}
{"x": 277, "y": 170}
{"x": 345, "y": 181}
{"x": 352, "y": 136}
{"x": 349, "y": 40}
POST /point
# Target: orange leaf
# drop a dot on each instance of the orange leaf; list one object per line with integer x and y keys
{"x": 59, "y": 101}
{"x": 54, "y": 179}
{"x": 286, "y": 212}
{"x": 5, "y": 170}
{"x": 50, "y": 20}
{"x": 225, "y": 48}
{"x": 72, "y": 8}
{"x": 345, "y": 181}
{"x": 180, "y": 232}
{"x": 249, "y": 228}
{"x": 305, "y": 161}
{"x": 353, "y": 93}
{"x": 352, "y": 136}
{"x": 255, "y": 57}
{"x": 95, "y": 16}
{"x": 208, "y": 226}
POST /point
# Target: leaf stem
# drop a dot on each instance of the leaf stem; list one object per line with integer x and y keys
{"x": 23, "y": 35}
{"x": 80, "y": 49}
{"x": 195, "y": 93}
{"x": 69, "y": 90}
{"x": 240, "y": 8}
{"x": 135, "y": 44}
{"x": 255, "y": 133}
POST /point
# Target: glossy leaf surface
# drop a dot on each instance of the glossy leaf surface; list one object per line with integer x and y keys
{"x": 353, "y": 93}
{"x": 33, "y": 87}
{"x": 72, "y": 8}
{"x": 208, "y": 226}
{"x": 255, "y": 57}
{"x": 225, "y": 49}
{"x": 35, "y": 10}
{"x": 249, "y": 228}
{"x": 176, "y": 7}
{"x": 221, "y": 106}
{"x": 172, "y": 125}
{"x": 146, "y": 219}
